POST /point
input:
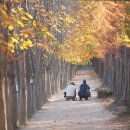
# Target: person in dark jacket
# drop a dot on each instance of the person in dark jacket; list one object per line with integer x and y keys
{"x": 84, "y": 91}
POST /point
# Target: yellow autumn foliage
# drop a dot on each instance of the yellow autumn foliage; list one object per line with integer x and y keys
{"x": 94, "y": 32}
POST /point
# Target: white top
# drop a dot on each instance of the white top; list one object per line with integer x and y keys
{"x": 70, "y": 90}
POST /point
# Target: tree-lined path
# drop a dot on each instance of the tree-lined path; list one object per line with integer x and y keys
{"x": 42, "y": 42}
{"x": 59, "y": 114}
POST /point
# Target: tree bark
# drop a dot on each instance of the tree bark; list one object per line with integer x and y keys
{"x": 23, "y": 92}
{"x": 3, "y": 108}
{"x": 12, "y": 96}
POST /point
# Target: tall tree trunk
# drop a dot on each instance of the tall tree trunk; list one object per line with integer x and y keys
{"x": 3, "y": 112}
{"x": 23, "y": 92}
{"x": 12, "y": 96}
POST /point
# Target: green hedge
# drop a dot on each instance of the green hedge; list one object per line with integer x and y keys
{"x": 104, "y": 92}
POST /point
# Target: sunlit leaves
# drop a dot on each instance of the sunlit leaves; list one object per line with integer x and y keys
{"x": 24, "y": 29}
{"x": 26, "y": 44}
{"x": 62, "y": 7}
{"x": 14, "y": 40}
{"x": 18, "y": 1}
{"x": 29, "y": 15}
{"x": 15, "y": 23}
{"x": 44, "y": 46}
{"x": 34, "y": 24}
{"x": 97, "y": 28}
{"x": 69, "y": 19}
{"x": 20, "y": 23}
{"x": 28, "y": 33}
{"x": 10, "y": 28}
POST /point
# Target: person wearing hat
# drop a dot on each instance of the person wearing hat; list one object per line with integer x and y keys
{"x": 84, "y": 91}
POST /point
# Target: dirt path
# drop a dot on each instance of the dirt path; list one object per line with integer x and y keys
{"x": 59, "y": 114}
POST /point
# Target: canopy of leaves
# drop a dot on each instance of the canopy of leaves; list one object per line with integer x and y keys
{"x": 87, "y": 28}
{"x": 100, "y": 28}
{"x": 36, "y": 28}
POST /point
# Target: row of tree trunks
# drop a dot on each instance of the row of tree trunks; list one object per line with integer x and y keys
{"x": 29, "y": 88}
{"x": 27, "y": 83}
{"x": 114, "y": 70}
{"x": 46, "y": 80}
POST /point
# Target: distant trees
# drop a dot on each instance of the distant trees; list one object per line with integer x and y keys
{"x": 97, "y": 30}
{"x": 113, "y": 68}
{"x": 101, "y": 33}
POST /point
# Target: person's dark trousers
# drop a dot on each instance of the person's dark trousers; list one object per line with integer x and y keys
{"x": 86, "y": 98}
